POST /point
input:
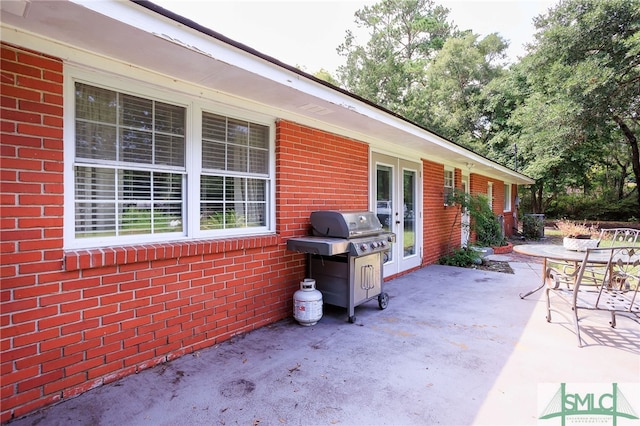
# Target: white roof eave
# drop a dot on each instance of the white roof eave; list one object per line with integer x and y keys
{"x": 142, "y": 37}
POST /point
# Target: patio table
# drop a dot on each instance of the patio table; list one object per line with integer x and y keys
{"x": 551, "y": 252}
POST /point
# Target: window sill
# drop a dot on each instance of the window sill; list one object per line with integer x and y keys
{"x": 110, "y": 256}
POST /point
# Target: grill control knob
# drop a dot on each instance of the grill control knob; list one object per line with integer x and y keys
{"x": 363, "y": 247}
{"x": 374, "y": 245}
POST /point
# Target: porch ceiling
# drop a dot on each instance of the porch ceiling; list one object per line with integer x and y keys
{"x": 140, "y": 37}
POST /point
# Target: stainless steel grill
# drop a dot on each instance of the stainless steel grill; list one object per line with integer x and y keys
{"x": 345, "y": 257}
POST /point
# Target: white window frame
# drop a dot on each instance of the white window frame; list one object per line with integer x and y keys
{"x": 195, "y": 105}
{"x": 449, "y": 184}
{"x": 507, "y": 197}
{"x": 490, "y": 195}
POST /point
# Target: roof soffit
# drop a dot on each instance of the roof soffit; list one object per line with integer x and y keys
{"x": 136, "y": 35}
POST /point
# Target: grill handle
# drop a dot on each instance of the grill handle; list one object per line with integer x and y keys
{"x": 322, "y": 234}
{"x": 368, "y": 281}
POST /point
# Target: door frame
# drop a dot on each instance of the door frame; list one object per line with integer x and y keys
{"x": 399, "y": 262}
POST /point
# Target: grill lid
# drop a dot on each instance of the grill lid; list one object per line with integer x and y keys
{"x": 329, "y": 223}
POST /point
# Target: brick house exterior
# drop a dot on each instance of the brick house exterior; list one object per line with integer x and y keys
{"x": 75, "y": 318}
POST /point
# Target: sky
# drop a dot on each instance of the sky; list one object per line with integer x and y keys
{"x": 306, "y": 33}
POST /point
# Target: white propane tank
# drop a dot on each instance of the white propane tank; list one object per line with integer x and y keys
{"x": 307, "y": 303}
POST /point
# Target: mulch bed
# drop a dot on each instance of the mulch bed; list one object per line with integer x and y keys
{"x": 494, "y": 266}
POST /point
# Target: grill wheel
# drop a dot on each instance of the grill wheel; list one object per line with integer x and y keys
{"x": 383, "y": 300}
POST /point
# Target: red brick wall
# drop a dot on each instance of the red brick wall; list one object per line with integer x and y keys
{"x": 73, "y": 320}
{"x": 438, "y": 219}
{"x": 317, "y": 171}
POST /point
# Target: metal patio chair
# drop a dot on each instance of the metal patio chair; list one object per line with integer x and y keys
{"x": 619, "y": 237}
{"x": 612, "y": 289}
{"x": 613, "y": 237}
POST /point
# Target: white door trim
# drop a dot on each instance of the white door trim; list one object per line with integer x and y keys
{"x": 400, "y": 259}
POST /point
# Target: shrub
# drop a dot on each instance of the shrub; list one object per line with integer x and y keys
{"x": 463, "y": 257}
{"x": 483, "y": 221}
{"x": 580, "y": 207}
{"x": 533, "y": 226}
{"x": 571, "y": 229}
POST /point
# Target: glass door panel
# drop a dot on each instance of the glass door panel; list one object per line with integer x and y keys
{"x": 409, "y": 208}
{"x": 465, "y": 219}
{"x": 384, "y": 199}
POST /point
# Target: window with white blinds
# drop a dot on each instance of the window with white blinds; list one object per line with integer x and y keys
{"x": 235, "y": 171}
{"x": 449, "y": 185}
{"x": 139, "y": 175}
{"x": 130, "y": 164}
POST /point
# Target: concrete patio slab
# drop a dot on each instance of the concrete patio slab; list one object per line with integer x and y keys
{"x": 455, "y": 346}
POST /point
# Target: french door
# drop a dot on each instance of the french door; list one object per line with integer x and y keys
{"x": 398, "y": 205}
{"x": 466, "y": 218}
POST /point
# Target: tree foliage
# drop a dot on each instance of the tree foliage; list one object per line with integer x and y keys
{"x": 581, "y": 106}
{"x": 569, "y": 109}
{"x": 452, "y": 102}
{"x": 404, "y": 36}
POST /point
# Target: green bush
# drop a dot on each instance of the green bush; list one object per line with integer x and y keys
{"x": 483, "y": 221}
{"x": 532, "y": 227}
{"x": 463, "y": 257}
{"x": 582, "y": 207}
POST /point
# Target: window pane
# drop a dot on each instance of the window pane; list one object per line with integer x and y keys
{"x": 232, "y": 202}
{"x": 212, "y": 216}
{"x": 238, "y": 132}
{"x": 256, "y": 215}
{"x": 409, "y": 190}
{"x": 136, "y": 147}
{"x": 448, "y": 178}
{"x": 94, "y": 219}
{"x": 96, "y": 141}
{"x": 258, "y": 136}
{"x": 169, "y": 150}
{"x": 167, "y": 186}
{"x": 256, "y": 190}
{"x": 234, "y": 145}
{"x": 214, "y": 127}
{"x": 214, "y": 136}
{"x": 211, "y": 188}
{"x": 213, "y": 155}
{"x": 95, "y": 184}
{"x": 234, "y": 189}
{"x": 96, "y": 104}
{"x": 134, "y": 185}
{"x": 170, "y": 119}
{"x": 167, "y": 217}
{"x": 235, "y": 216}
{"x": 136, "y": 112}
{"x": 134, "y": 219}
{"x": 258, "y": 161}
{"x": 237, "y": 158}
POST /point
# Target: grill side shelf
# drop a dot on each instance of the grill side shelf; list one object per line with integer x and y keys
{"x": 319, "y": 245}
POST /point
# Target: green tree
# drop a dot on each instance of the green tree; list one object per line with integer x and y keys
{"x": 452, "y": 102}
{"x": 325, "y": 75}
{"x": 583, "y": 78}
{"x": 403, "y": 37}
